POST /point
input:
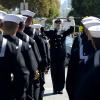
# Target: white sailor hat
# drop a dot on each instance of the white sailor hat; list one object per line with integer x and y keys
{"x": 36, "y": 26}
{"x": 93, "y": 26}
{"x": 95, "y": 31}
{"x": 89, "y": 18}
{"x": 24, "y": 18}
{"x": 27, "y": 13}
{"x": 12, "y": 18}
{"x": 2, "y": 14}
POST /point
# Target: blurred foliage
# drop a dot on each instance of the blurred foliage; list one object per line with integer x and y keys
{"x": 83, "y": 8}
{"x": 42, "y": 8}
{"x": 35, "y": 21}
{"x": 3, "y": 8}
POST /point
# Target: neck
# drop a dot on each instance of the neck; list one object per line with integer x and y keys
{"x": 20, "y": 30}
{"x": 10, "y": 33}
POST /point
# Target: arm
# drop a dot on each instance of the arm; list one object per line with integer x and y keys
{"x": 69, "y": 31}
{"x": 21, "y": 76}
{"x": 35, "y": 50}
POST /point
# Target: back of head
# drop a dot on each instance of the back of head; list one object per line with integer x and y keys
{"x": 11, "y": 23}
{"x": 92, "y": 26}
{"x": 10, "y": 28}
{"x": 29, "y": 14}
{"x": 22, "y": 23}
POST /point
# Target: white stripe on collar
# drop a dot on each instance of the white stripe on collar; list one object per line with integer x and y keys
{"x": 85, "y": 58}
{"x": 27, "y": 38}
{"x": 20, "y": 43}
{"x": 3, "y": 48}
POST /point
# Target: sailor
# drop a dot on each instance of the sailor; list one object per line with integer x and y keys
{"x": 57, "y": 55}
{"x": 11, "y": 23}
{"x": 20, "y": 34}
{"x": 81, "y": 49}
{"x": 12, "y": 64}
{"x": 89, "y": 86}
{"x": 2, "y": 15}
{"x": 28, "y": 29}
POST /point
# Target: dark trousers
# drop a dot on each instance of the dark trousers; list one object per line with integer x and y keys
{"x": 36, "y": 89}
{"x": 58, "y": 75}
{"x": 33, "y": 90}
{"x": 42, "y": 82}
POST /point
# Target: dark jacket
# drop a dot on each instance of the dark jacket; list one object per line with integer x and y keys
{"x": 29, "y": 31}
{"x": 12, "y": 62}
{"x": 27, "y": 53}
{"x": 42, "y": 50}
{"x": 32, "y": 42}
{"x": 57, "y": 48}
{"x": 77, "y": 64}
{"x": 89, "y": 87}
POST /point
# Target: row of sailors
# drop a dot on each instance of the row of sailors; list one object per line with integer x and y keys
{"x": 83, "y": 78}
{"x": 32, "y": 51}
{"x": 24, "y": 58}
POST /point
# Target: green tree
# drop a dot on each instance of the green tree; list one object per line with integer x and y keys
{"x": 10, "y": 4}
{"x": 3, "y": 8}
{"x": 42, "y": 8}
{"x": 85, "y": 8}
{"x": 54, "y": 9}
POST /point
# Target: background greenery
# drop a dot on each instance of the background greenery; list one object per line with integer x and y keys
{"x": 82, "y": 8}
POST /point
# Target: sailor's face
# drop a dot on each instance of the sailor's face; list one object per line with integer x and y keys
{"x": 57, "y": 25}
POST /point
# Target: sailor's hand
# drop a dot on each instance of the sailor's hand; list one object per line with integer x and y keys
{"x": 37, "y": 75}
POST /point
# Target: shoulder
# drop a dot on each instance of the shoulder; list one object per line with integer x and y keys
{"x": 11, "y": 47}
{"x": 26, "y": 45}
{"x": 31, "y": 40}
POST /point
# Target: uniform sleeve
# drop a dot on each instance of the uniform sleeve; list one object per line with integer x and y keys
{"x": 35, "y": 50}
{"x": 30, "y": 59}
{"x": 42, "y": 50}
{"x": 69, "y": 31}
{"x": 21, "y": 76}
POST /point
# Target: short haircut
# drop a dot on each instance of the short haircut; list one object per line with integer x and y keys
{"x": 21, "y": 25}
{"x": 9, "y": 27}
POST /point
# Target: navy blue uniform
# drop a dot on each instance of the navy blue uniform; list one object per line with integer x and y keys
{"x": 29, "y": 58}
{"x": 77, "y": 64}
{"x": 47, "y": 47}
{"x": 43, "y": 63}
{"x": 57, "y": 55}
{"x": 89, "y": 87}
{"x": 29, "y": 31}
{"x": 12, "y": 63}
{"x": 32, "y": 42}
